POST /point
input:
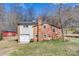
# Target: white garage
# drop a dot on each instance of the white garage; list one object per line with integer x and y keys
{"x": 25, "y": 32}
{"x": 24, "y": 38}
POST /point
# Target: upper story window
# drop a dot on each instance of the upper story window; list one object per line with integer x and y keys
{"x": 44, "y": 26}
{"x": 53, "y": 29}
{"x": 25, "y": 25}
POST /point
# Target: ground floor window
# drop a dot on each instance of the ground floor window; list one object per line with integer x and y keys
{"x": 35, "y": 35}
{"x": 45, "y": 35}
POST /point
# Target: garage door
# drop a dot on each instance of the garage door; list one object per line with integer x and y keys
{"x": 24, "y": 39}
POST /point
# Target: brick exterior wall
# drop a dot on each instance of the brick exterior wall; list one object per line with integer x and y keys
{"x": 45, "y": 31}
{"x": 39, "y": 29}
{"x": 34, "y": 33}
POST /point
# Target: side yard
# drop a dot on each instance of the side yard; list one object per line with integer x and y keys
{"x": 7, "y": 47}
{"x": 49, "y": 48}
{"x": 44, "y": 48}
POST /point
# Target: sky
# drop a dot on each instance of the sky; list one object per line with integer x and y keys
{"x": 39, "y": 6}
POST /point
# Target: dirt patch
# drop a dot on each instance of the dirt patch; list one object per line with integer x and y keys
{"x": 7, "y": 47}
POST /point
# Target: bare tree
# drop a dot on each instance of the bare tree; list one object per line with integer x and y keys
{"x": 45, "y": 13}
{"x": 15, "y": 15}
{"x": 1, "y": 17}
{"x": 30, "y": 14}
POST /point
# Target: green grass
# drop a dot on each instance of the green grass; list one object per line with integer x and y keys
{"x": 47, "y": 48}
{"x": 0, "y": 37}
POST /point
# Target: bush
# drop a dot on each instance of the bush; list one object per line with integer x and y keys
{"x": 76, "y": 32}
{"x": 0, "y": 37}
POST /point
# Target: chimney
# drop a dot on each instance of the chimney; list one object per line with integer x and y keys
{"x": 39, "y": 29}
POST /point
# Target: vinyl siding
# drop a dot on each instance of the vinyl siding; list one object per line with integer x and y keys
{"x": 26, "y": 30}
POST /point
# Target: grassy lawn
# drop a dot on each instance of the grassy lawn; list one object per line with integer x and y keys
{"x": 48, "y": 48}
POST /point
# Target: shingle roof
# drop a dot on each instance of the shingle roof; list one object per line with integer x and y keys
{"x": 47, "y": 21}
{"x": 26, "y": 23}
{"x": 9, "y": 31}
{"x": 51, "y": 22}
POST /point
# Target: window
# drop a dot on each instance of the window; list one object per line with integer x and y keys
{"x": 45, "y": 35}
{"x": 44, "y": 26}
{"x": 25, "y": 25}
{"x": 36, "y": 35}
{"x": 53, "y": 29}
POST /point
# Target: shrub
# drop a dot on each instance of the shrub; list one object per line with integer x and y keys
{"x": 0, "y": 37}
{"x": 76, "y": 32}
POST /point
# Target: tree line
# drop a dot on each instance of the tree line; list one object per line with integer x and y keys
{"x": 69, "y": 16}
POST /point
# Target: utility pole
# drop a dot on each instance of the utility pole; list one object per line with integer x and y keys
{"x": 60, "y": 6}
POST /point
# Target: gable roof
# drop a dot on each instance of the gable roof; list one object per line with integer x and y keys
{"x": 51, "y": 22}
{"x": 47, "y": 21}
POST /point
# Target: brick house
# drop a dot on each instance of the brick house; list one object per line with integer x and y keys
{"x": 37, "y": 31}
{"x": 45, "y": 31}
